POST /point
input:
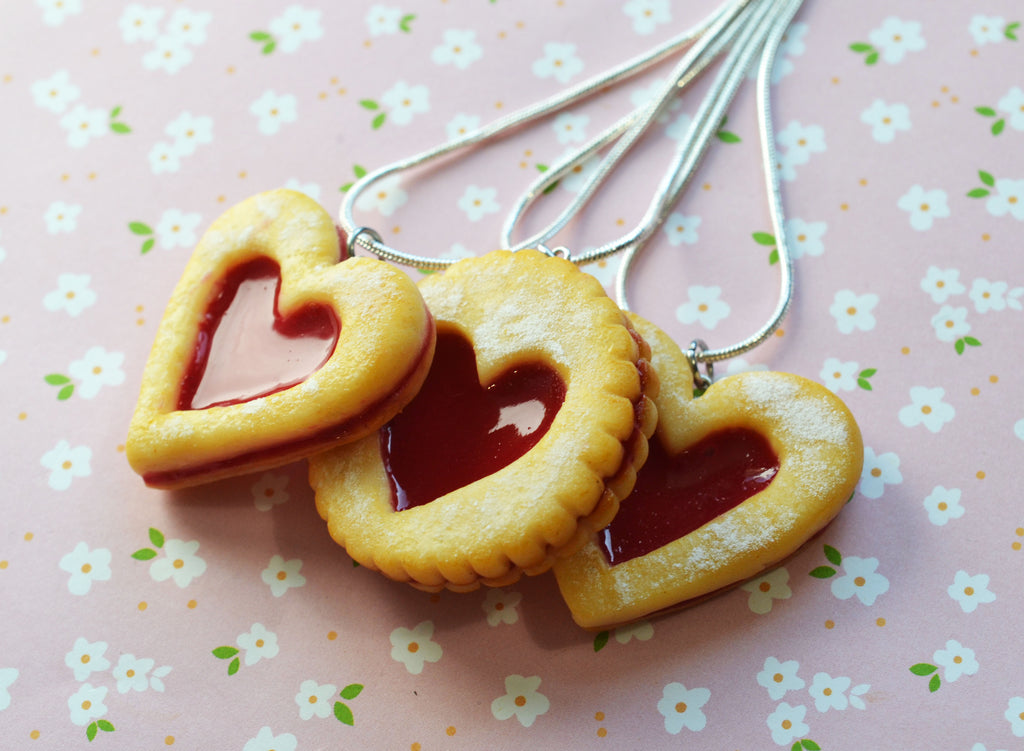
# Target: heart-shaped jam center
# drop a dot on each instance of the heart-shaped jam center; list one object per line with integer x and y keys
{"x": 244, "y": 347}
{"x": 674, "y": 495}
{"x": 456, "y": 431}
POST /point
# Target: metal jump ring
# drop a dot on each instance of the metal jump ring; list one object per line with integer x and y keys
{"x": 694, "y": 356}
{"x": 559, "y": 251}
{"x": 353, "y": 239}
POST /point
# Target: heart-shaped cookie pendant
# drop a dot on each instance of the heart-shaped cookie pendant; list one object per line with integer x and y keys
{"x": 736, "y": 481}
{"x": 521, "y": 442}
{"x": 272, "y": 349}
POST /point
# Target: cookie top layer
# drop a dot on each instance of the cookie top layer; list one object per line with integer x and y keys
{"x": 515, "y": 309}
{"x": 385, "y": 340}
{"x": 819, "y": 451}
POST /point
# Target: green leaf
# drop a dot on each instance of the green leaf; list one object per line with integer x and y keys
{"x": 864, "y": 383}
{"x": 65, "y": 393}
{"x": 148, "y": 245}
{"x": 144, "y": 554}
{"x": 796, "y": 746}
{"x": 355, "y": 564}
{"x": 871, "y": 59}
{"x": 156, "y": 537}
{"x": 346, "y": 187}
{"x": 986, "y": 178}
{"x": 268, "y": 48}
{"x": 233, "y": 667}
{"x": 810, "y": 745}
{"x": 834, "y": 556}
{"x": 359, "y": 171}
{"x": 868, "y": 372}
{"x": 726, "y": 136}
{"x": 379, "y": 120}
{"x": 105, "y": 726}
{"x": 1010, "y": 32}
{"x": 343, "y": 713}
{"x": 90, "y": 732}
{"x": 551, "y": 188}
{"x": 861, "y": 47}
{"x": 542, "y": 167}
{"x": 260, "y": 36}
{"x": 601, "y": 640}
{"x": 352, "y": 690}
{"x": 977, "y": 193}
{"x": 773, "y": 257}
{"x": 223, "y": 653}
{"x": 56, "y": 379}
{"x": 985, "y": 111}
{"x": 971, "y": 341}
{"x": 959, "y": 346}
{"x": 120, "y": 128}
{"x": 934, "y": 683}
{"x": 923, "y": 668}
{"x": 115, "y": 112}
{"x": 764, "y": 238}
{"x": 823, "y": 572}
{"x": 368, "y": 104}
{"x": 997, "y": 126}
{"x": 407, "y": 19}
{"x": 140, "y": 228}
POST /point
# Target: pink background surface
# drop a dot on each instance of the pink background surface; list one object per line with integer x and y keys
{"x": 69, "y": 194}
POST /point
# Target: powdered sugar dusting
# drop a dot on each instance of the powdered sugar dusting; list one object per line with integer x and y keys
{"x": 801, "y": 418}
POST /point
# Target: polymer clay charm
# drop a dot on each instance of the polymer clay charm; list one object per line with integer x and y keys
{"x": 521, "y": 442}
{"x": 736, "y": 480}
{"x": 271, "y": 348}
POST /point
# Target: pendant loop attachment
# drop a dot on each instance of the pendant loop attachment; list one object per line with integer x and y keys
{"x": 353, "y": 239}
{"x": 695, "y": 357}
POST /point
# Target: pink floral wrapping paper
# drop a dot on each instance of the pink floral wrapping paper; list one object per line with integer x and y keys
{"x": 224, "y": 617}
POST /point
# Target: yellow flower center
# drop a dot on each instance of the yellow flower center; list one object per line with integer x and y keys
{"x": 414, "y": 647}
{"x": 178, "y": 563}
{"x": 520, "y": 701}
{"x": 681, "y": 707}
{"x": 282, "y": 575}
{"x": 86, "y": 568}
{"x": 764, "y": 586}
{"x": 860, "y": 581}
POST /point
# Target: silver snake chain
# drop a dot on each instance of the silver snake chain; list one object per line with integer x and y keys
{"x": 747, "y": 28}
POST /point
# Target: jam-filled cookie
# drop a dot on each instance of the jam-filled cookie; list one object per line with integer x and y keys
{"x": 272, "y": 348}
{"x": 519, "y": 445}
{"x": 736, "y": 480}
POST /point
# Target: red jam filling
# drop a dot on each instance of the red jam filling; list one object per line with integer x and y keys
{"x": 456, "y": 431}
{"x": 674, "y": 495}
{"x": 245, "y": 349}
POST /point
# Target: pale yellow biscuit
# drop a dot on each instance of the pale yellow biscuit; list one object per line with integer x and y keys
{"x": 820, "y": 454}
{"x": 515, "y": 309}
{"x": 381, "y": 356}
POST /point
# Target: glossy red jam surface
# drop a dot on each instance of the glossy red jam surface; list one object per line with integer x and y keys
{"x": 456, "y": 431}
{"x": 250, "y": 347}
{"x": 674, "y": 495}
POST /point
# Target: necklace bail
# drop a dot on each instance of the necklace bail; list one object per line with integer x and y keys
{"x": 559, "y": 251}
{"x": 695, "y": 358}
{"x": 353, "y": 239}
